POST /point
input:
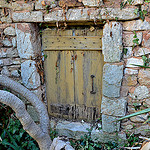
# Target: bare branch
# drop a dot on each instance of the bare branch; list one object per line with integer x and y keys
{"x": 43, "y": 139}
{"x": 31, "y": 97}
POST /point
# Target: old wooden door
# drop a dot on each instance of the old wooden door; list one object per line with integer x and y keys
{"x": 73, "y": 70}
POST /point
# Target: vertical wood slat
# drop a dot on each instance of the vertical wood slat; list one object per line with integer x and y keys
{"x": 70, "y": 98}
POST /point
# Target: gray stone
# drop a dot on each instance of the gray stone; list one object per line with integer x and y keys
{"x": 140, "y": 92}
{"x": 144, "y": 77}
{"x": 5, "y": 71}
{"x": 90, "y": 3}
{"x": 143, "y": 130}
{"x": 6, "y": 42}
{"x": 114, "y": 107}
{"x": 54, "y": 16}
{"x": 129, "y": 52}
{"x": 136, "y": 25}
{"x": 140, "y": 51}
{"x": 146, "y": 7}
{"x": 6, "y": 19}
{"x": 76, "y": 130}
{"x": 116, "y": 13}
{"x": 104, "y": 137}
{"x": 15, "y": 73}
{"x": 111, "y": 90}
{"x": 140, "y": 118}
{"x": 24, "y": 6}
{"x": 131, "y": 62}
{"x": 29, "y": 74}
{"x": 130, "y": 71}
{"x": 128, "y": 127}
{"x": 33, "y": 113}
{"x": 72, "y": 129}
{"x": 10, "y": 31}
{"x": 112, "y": 42}
{"x": 34, "y": 16}
{"x": 14, "y": 42}
{"x": 39, "y": 6}
{"x": 90, "y": 14}
{"x": 8, "y": 52}
{"x": 128, "y": 38}
{"x": 109, "y": 124}
{"x": 1, "y": 62}
{"x": 112, "y": 77}
{"x": 135, "y": 2}
{"x": 28, "y": 40}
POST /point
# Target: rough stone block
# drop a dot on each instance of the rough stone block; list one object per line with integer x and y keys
{"x": 6, "y": 19}
{"x": 129, "y": 52}
{"x": 143, "y": 130}
{"x": 72, "y": 129}
{"x": 34, "y": 16}
{"x": 128, "y": 38}
{"x": 140, "y": 51}
{"x": 139, "y": 118}
{"x": 7, "y": 42}
{"x": 54, "y": 16}
{"x": 144, "y": 77}
{"x": 140, "y": 92}
{"x": 146, "y": 7}
{"x": 38, "y": 4}
{"x": 29, "y": 74}
{"x": 15, "y": 73}
{"x": 112, "y": 42}
{"x": 136, "y": 25}
{"x": 76, "y": 130}
{"x": 114, "y": 107}
{"x": 124, "y": 91}
{"x": 116, "y": 13}
{"x": 130, "y": 71}
{"x": 8, "y": 52}
{"x": 10, "y": 31}
{"x": 22, "y": 6}
{"x": 91, "y": 3}
{"x": 5, "y": 71}
{"x": 146, "y": 39}
{"x": 14, "y": 42}
{"x": 129, "y": 80}
{"x": 135, "y": 2}
{"x": 90, "y": 14}
{"x": 111, "y": 90}
{"x": 104, "y": 137}
{"x": 28, "y": 40}
{"x": 76, "y": 14}
{"x": 109, "y": 125}
{"x": 112, "y": 77}
{"x": 136, "y": 61}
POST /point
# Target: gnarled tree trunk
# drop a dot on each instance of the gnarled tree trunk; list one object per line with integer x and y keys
{"x": 39, "y": 132}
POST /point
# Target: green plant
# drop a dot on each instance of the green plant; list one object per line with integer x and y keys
{"x": 125, "y": 50}
{"x": 12, "y": 135}
{"x": 53, "y": 133}
{"x": 135, "y": 40}
{"x": 131, "y": 140}
{"x": 86, "y": 143}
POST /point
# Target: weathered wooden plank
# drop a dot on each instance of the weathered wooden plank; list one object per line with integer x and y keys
{"x": 88, "y": 63}
{"x": 72, "y": 43}
{"x": 59, "y": 78}
{"x": 56, "y": 32}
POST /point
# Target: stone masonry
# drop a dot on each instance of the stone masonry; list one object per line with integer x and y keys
{"x": 126, "y": 87}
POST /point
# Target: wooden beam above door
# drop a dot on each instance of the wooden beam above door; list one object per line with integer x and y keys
{"x": 72, "y": 43}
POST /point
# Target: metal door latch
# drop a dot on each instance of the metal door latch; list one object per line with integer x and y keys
{"x": 92, "y": 92}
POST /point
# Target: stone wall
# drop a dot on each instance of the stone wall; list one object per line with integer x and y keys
{"x": 125, "y": 86}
